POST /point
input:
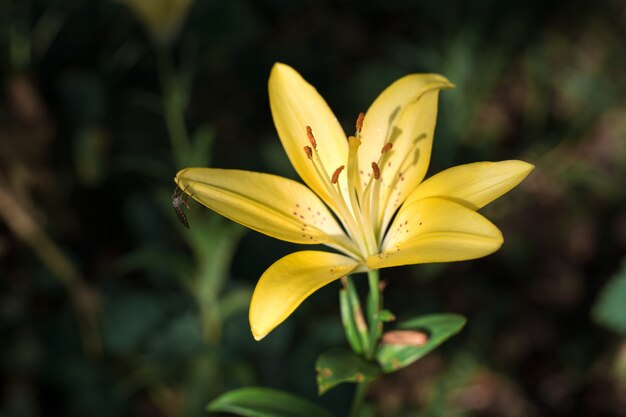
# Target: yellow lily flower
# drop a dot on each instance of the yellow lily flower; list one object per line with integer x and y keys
{"x": 365, "y": 196}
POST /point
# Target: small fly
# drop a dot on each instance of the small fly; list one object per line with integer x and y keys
{"x": 177, "y": 201}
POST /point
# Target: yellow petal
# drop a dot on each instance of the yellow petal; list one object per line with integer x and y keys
{"x": 273, "y": 205}
{"x": 436, "y": 230}
{"x": 288, "y": 282}
{"x": 473, "y": 185}
{"x": 295, "y": 105}
{"x": 404, "y": 115}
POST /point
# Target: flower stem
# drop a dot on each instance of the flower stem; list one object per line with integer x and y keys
{"x": 359, "y": 396}
{"x": 173, "y": 104}
{"x": 374, "y": 305}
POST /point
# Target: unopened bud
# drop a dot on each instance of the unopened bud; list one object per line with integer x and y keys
{"x": 404, "y": 338}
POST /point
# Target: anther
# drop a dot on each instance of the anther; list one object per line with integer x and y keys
{"x": 309, "y": 133}
{"x": 376, "y": 170}
{"x": 386, "y": 148}
{"x": 359, "y": 122}
{"x": 335, "y": 177}
{"x": 309, "y": 152}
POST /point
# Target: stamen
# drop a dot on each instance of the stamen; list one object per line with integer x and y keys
{"x": 371, "y": 194}
{"x": 309, "y": 152}
{"x": 345, "y": 216}
{"x": 335, "y": 177}
{"x": 359, "y": 122}
{"x": 376, "y": 170}
{"x": 309, "y": 134}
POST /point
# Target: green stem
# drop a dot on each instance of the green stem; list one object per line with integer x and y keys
{"x": 173, "y": 104}
{"x": 359, "y": 396}
{"x": 373, "y": 311}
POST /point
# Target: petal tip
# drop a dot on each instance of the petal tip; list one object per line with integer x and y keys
{"x": 523, "y": 168}
{"x": 281, "y": 70}
{"x": 257, "y": 335}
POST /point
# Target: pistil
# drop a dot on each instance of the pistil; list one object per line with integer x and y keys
{"x": 345, "y": 216}
{"x": 354, "y": 195}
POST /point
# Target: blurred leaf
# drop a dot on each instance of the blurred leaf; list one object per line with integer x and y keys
{"x": 90, "y": 146}
{"x": 153, "y": 260}
{"x": 235, "y": 301}
{"x": 265, "y": 402}
{"x": 439, "y": 328}
{"x": 200, "y": 151}
{"x": 610, "y": 307}
{"x": 180, "y": 335}
{"x": 130, "y": 318}
{"x": 338, "y": 366}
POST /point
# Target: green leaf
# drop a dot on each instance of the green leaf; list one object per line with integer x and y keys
{"x": 438, "y": 327}
{"x": 338, "y": 366}
{"x": 265, "y": 402}
{"x": 609, "y": 309}
{"x": 386, "y": 316}
{"x": 349, "y": 324}
{"x": 352, "y": 319}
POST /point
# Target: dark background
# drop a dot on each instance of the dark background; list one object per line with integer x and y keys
{"x": 110, "y": 307}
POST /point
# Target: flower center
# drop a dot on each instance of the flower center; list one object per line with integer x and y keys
{"x": 357, "y": 205}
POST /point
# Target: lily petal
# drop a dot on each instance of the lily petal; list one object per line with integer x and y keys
{"x": 473, "y": 185}
{"x": 296, "y": 104}
{"x": 288, "y": 282}
{"x": 436, "y": 230}
{"x": 273, "y": 205}
{"x": 404, "y": 114}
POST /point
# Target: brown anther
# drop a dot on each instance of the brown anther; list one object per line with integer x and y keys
{"x": 359, "y": 122}
{"x": 386, "y": 148}
{"x": 308, "y": 151}
{"x": 376, "y": 170}
{"x": 335, "y": 177}
{"x": 309, "y": 133}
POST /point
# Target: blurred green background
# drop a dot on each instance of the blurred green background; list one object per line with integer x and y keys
{"x": 110, "y": 307}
